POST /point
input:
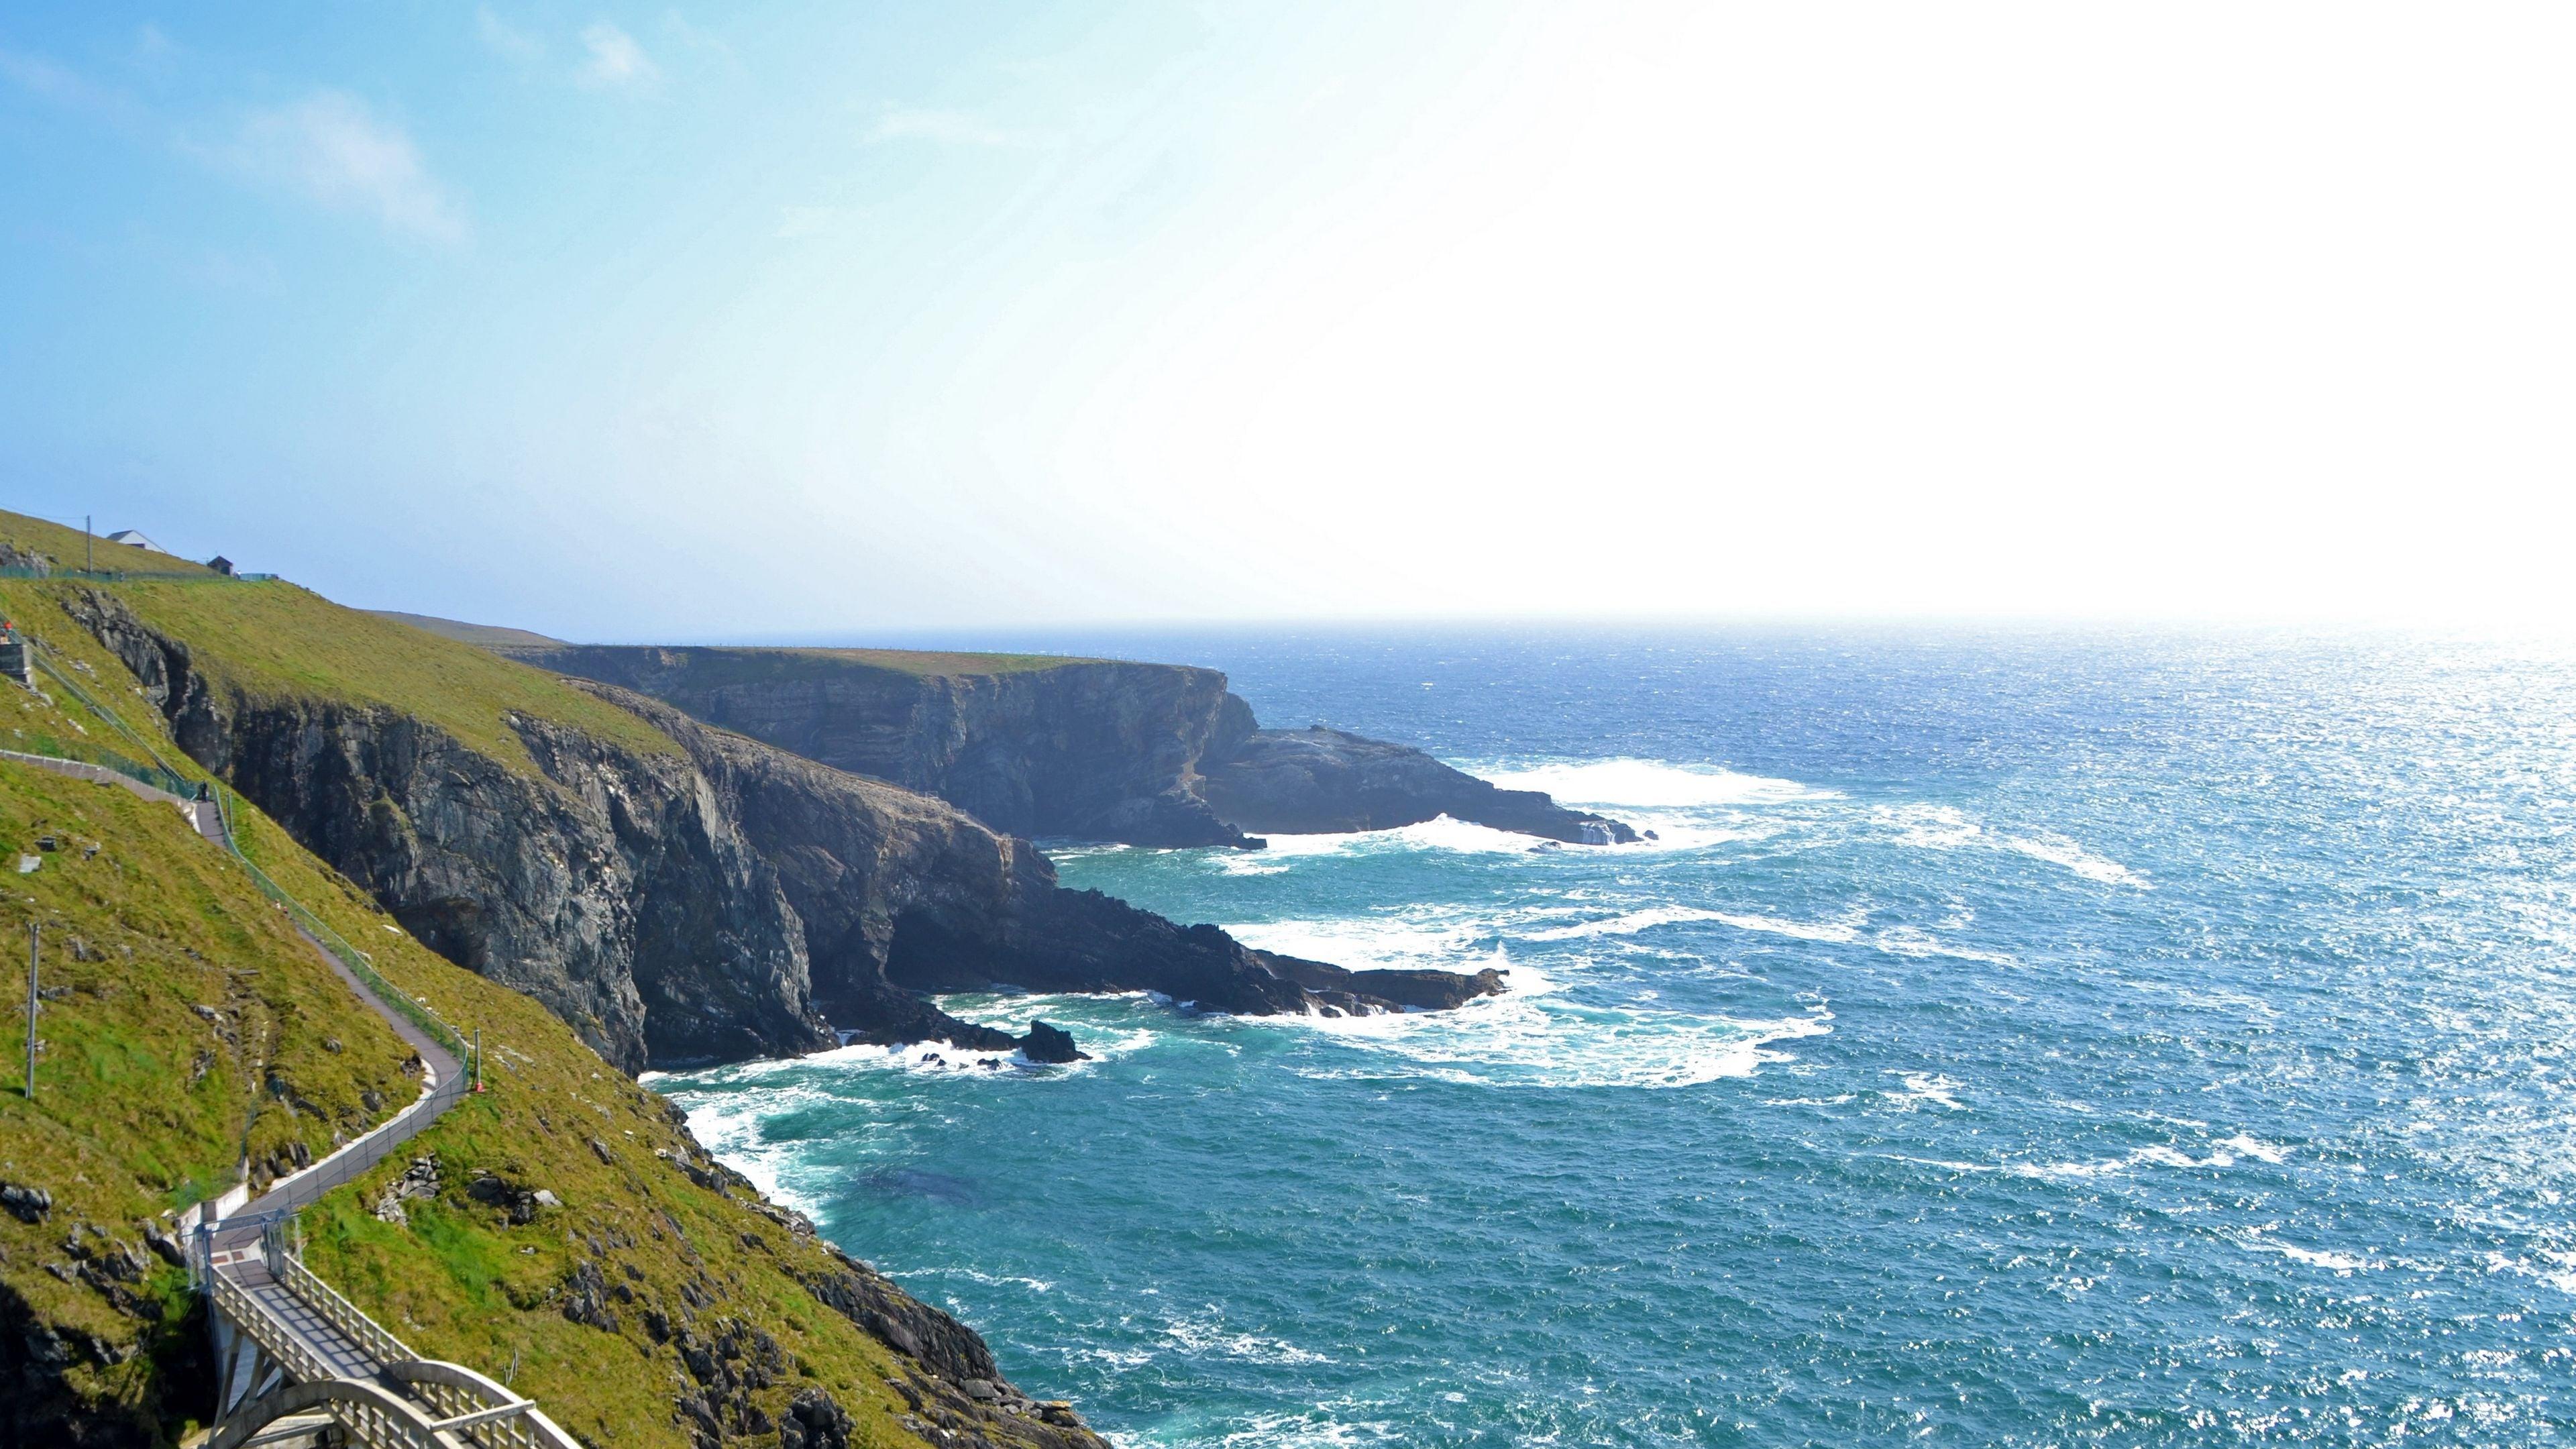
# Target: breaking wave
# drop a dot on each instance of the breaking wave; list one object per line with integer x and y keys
{"x": 1650, "y": 785}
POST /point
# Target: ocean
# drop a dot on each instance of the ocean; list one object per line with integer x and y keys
{"x": 2012, "y": 1038}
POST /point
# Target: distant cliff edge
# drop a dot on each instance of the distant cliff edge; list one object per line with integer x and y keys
{"x": 1148, "y": 754}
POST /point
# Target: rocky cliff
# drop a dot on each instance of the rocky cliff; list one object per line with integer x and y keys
{"x": 1093, "y": 749}
{"x": 693, "y": 895}
{"x": 1148, "y": 754}
{"x": 1320, "y": 781}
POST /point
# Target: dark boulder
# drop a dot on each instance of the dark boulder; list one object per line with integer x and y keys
{"x": 1050, "y": 1044}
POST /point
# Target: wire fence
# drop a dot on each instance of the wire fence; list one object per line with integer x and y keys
{"x": 360, "y": 964}
{"x": 159, "y": 774}
{"x": 368, "y": 1150}
{"x": 134, "y": 576}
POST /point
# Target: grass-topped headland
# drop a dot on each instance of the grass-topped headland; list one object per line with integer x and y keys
{"x": 719, "y": 666}
{"x": 274, "y": 641}
{"x": 185, "y": 1026}
{"x": 23, "y": 537}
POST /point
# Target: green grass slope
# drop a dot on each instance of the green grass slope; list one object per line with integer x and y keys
{"x": 487, "y": 636}
{"x": 186, "y": 1025}
{"x": 183, "y": 1020}
{"x": 714, "y": 666}
{"x": 184, "y": 1028}
{"x": 70, "y": 549}
{"x": 460, "y": 1280}
{"x": 275, "y": 641}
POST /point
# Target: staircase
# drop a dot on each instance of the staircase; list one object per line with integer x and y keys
{"x": 299, "y": 1364}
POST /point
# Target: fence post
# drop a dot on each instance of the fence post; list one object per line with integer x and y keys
{"x": 35, "y": 935}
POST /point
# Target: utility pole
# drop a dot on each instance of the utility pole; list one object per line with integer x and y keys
{"x": 89, "y": 550}
{"x": 478, "y": 1059}
{"x": 35, "y": 933}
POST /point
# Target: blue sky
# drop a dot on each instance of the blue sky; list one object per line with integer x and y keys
{"x": 629, "y": 322}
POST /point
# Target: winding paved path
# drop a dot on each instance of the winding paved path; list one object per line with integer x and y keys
{"x": 295, "y": 1327}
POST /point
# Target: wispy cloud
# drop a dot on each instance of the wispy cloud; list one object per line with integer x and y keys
{"x": 39, "y": 76}
{"x": 331, "y": 147}
{"x": 953, "y": 128}
{"x": 499, "y": 36}
{"x": 615, "y": 58}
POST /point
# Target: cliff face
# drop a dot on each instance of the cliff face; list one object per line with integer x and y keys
{"x": 613, "y": 889}
{"x": 720, "y": 901}
{"x": 1148, "y": 754}
{"x": 1103, "y": 751}
{"x": 902, "y": 894}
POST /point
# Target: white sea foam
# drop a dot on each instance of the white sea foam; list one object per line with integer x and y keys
{"x": 1928, "y": 827}
{"x": 2058, "y": 850}
{"x": 1909, "y": 941}
{"x": 990, "y": 1280}
{"x": 1410, "y": 940}
{"x": 1846, "y": 929}
{"x": 1926, "y": 1089}
{"x": 2224, "y": 1153}
{"x": 1945, "y": 827}
{"x": 2259, "y": 1241}
{"x": 1438, "y": 833}
{"x": 1204, "y": 1336}
{"x": 2255, "y": 1148}
{"x": 1650, "y": 784}
{"x": 1532, "y": 1037}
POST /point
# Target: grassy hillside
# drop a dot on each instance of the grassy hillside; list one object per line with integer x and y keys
{"x": 185, "y": 1023}
{"x": 460, "y": 1281}
{"x": 715, "y": 666}
{"x": 486, "y": 636}
{"x": 273, "y": 640}
{"x": 184, "y": 1028}
{"x": 66, "y": 547}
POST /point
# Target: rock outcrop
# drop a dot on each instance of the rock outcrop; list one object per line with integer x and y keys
{"x": 722, "y": 900}
{"x": 901, "y": 895}
{"x": 1096, "y": 750}
{"x": 1148, "y": 754}
{"x": 1321, "y": 781}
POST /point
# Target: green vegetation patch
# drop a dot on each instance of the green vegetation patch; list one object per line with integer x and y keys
{"x": 278, "y": 642}
{"x": 69, "y": 548}
{"x": 184, "y": 1027}
{"x": 712, "y": 667}
{"x": 460, "y": 1276}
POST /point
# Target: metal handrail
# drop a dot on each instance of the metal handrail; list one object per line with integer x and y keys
{"x": 178, "y": 784}
{"x": 305, "y": 1188}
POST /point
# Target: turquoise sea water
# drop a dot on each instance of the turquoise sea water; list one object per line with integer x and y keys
{"x": 2012, "y": 1040}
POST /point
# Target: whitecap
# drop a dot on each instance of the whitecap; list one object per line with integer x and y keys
{"x": 1909, "y": 941}
{"x": 2058, "y": 850}
{"x": 1928, "y": 827}
{"x": 1205, "y": 1336}
{"x": 1650, "y": 784}
{"x": 1531, "y": 1037}
{"x": 1842, "y": 931}
{"x": 1926, "y": 1088}
{"x": 2313, "y": 1257}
